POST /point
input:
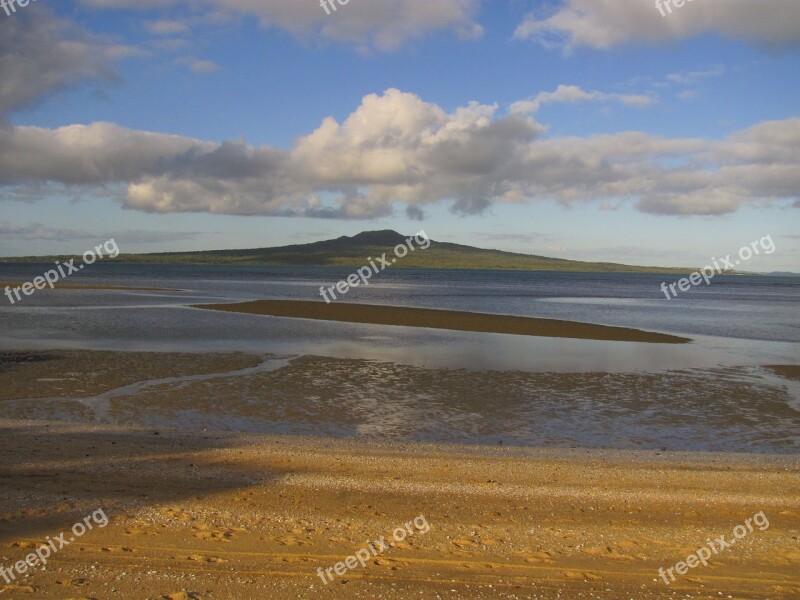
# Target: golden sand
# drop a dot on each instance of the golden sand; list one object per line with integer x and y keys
{"x": 201, "y": 515}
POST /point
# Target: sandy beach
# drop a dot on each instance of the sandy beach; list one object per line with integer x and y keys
{"x": 211, "y": 514}
{"x": 203, "y": 515}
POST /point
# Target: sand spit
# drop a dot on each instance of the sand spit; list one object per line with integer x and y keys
{"x": 444, "y": 319}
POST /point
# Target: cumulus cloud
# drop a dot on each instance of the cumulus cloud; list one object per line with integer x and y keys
{"x": 384, "y": 25}
{"x": 603, "y": 24}
{"x": 573, "y": 94}
{"x": 396, "y": 150}
{"x": 96, "y": 154}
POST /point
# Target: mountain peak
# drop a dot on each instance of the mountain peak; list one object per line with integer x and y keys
{"x": 383, "y": 237}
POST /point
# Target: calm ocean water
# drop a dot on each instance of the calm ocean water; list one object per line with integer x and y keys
{"x": 736, "y": 320}
{"x": 711, "y": 394}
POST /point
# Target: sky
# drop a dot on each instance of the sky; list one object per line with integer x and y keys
{"x": 609, "y": 130}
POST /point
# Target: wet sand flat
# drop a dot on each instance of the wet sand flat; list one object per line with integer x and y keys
{"x": 444, "y": 319}
{"x": 709, "y": 410}
{"x": 788, "y": 371}
{"x": 204, "y": 515}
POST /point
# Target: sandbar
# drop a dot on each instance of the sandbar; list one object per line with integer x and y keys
{"x": 444, "y": 319}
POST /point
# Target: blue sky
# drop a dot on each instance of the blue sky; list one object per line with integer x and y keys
{"x": 580, "y": 129}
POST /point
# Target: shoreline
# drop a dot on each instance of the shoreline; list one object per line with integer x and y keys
{"x": 443, "y": 319}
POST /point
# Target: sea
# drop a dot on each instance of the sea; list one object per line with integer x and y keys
{"x": 713, "y": 394}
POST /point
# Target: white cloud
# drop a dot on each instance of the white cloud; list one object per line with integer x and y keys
{"x": 198, "y": 66}
{"x": 96, "y": 154}
{"x": 384, "y": 25}
{"x": 573, "y": 94}
{"x": 166, "y": 27}
{"x": 40, "y": 55}
{"x": 396, "y": 150}
{"x": 603, "y": 24}
{"x": 693, "y": 77}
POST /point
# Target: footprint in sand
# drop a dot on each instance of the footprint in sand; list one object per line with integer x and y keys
{"x": 288, "y": 540}
{"x": 117, "y": 549}
{"x": 581, "y": 575}
{"x": 787, "y": 557}
{"x": 208, "y": 559}
{"x": 216, "y": 536}
{"x": 391, "y": 563}
{"x": 607, "y": 552}
{"x": 176, "y": 513}
{"x": 540, "y": 558}
{"x": 245, "y": 498}
{"x": 28, "y": 589}
{"x": 292, "y": 559}
{"x": 793, "y": 590}
{"x": 628, "y": 545}
{"x": 141, "y": 530}
{"x": 73, "y": 582}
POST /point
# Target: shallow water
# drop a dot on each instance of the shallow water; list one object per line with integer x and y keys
{"x": 710, "y": 394}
